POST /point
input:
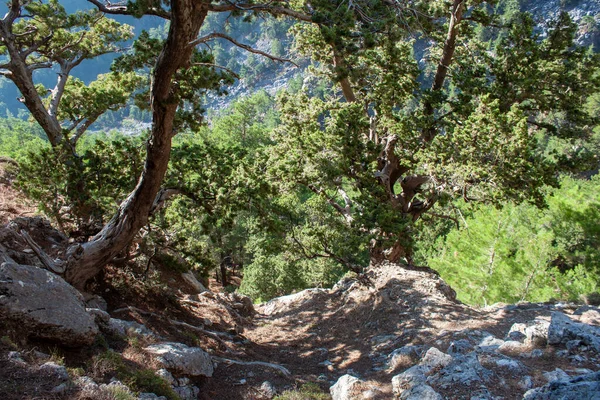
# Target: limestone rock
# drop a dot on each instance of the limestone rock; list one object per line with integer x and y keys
{"x": 347, "y": 387}
{"x": 434, "y": 358}
{"x": 535, "y": 332}
{"x": 43, "y": 305}
{"x": 191, "y": 280}
{"x": 581, "y": 387}
{"x": 268, "y": 390}
{"x": 53, "y": 369}
{"x": 462, "y": 371}
{"x": 414, "y": 376}
{"x": 556, "y": 375}
{"x": 126, "y": 328}
{"x": 187, "y": 392}
{"x": 420, "y": 392}
{"x": 183, "y": 359}
{"x": 562, "y": 330}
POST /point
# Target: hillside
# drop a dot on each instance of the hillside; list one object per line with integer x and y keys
{"x": 394, "y": 333}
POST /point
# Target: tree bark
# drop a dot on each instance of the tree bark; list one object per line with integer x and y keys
{"x": 458, "y": 8}
{"x": 86, "y": 260}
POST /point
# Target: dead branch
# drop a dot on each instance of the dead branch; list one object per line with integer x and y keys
{"x": 49, "y": 263}
{"x": 281, "y": 369}
{"x": 214, "y": 35}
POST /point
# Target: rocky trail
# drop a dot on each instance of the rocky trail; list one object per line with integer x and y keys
{"x": 393, "y": 333}
{"x": 398, "y": 333}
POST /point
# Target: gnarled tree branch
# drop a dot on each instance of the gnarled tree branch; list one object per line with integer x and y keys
{"x": 214, "y": 35}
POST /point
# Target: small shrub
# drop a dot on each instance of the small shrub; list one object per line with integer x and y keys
{"x": 308, "y": 391}
{"x": 146, "y": 380}
{"x": 8, "y": 342}
{"x": 142, "y": 380}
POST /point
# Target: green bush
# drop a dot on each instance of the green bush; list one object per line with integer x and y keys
{"x": 523, "y": 253}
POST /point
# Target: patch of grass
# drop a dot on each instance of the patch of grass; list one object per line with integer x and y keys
{"x": 76, "y": 372}
{"x": 146, "y": 380}
{"x": 308, "y": 391}
{"x": 120, "y": 393}
{"x": 138, "y": 379}
{"x": 56, "y": 356}
{"x": 8, "y": 342}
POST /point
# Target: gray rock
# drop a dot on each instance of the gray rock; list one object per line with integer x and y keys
{"x": 166, "y": 375}
{"x": 268, "y": 390}
{"x": 582, "y": 387}
{"x": 563, "y": 330}
{"x": 556, "y": 375}
{"x": 101, "y": 317}
{"x": 53, "y": 369}
{"x": 191, "y": 280}
{"x": 40, "y": 355}
{"x": 414, "y": 376}
{"x": 535, "y": 332}
{"x": 536, "y": 353}
{"x": 420, "y": 392}
{"x": 504, "y": 363}
{"x": 187, "y": 392}
{"x": 62, "y": 388}
{"x": 179, "y": 357}
{"x": 44, "y": 306}
{"x": 86, "y": 383}
{"x": 460, "y": 346}
{"x": 435, "y": 359}
{"x": 127, "y": 328}
{"x": 347, "y": 387}
{"x": 463, "y": 371}
{"x": 526, "y": 382}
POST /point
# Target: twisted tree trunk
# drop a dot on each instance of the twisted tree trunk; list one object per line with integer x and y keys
{"x": 86, "y": 260}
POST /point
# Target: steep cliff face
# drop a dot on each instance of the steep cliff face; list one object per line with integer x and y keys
{"x": 585, "y": 13}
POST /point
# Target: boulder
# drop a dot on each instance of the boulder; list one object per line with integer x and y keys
{"x": 54, "y": 370}
{"x": 535, "y": 332}
{"x": 186, "y": 360}
{"x": 41, "y": 304}
{"x": 581, "y": 387}
{"x": 563, "y": 330}
{"x": 347, "y": 387}
{"x": 191, "y": 280}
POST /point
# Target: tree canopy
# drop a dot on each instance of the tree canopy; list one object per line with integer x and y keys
{"x": 430, "y": 102}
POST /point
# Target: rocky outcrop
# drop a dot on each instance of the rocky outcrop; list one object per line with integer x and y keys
{"x": 563, "y": 330}
{"x": 42, "y": 305}
{"x": 581, "y": 387}
{"x": 182, "y": 359}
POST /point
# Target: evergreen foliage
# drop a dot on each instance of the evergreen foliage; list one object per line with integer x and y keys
{"x": 522, "y": 253}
